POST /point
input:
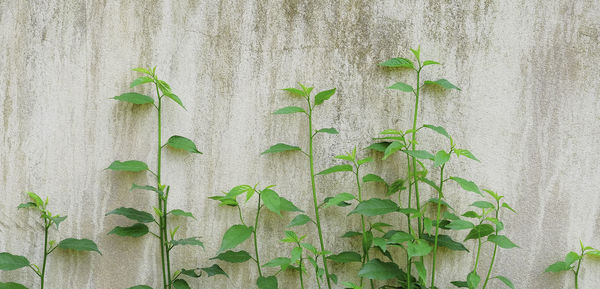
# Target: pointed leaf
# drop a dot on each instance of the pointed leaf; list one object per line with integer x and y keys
{"x": 234, "y": 236}
{"x": 181, "y": 213}
{"x": 502, "y": 241}
{"x": 505, "y": 281}
{"x": 181, "y": 284}
{"x": 11, "y": 285}
{"x": 441, "y": 157}
{"x": 429, "y": 62}
{"x": 287, "y": 206}
{"x": 137, "y": 230}
{"x": 79, "y": 245}
{"x": 466, "y": 153}
{"x": 299, "y": 220}
{"x": 445, "y": 241}
{"x": 460, "y": 225}
{"x": 141, "y": 80}
{"x": 214, "y": 270}
{"x": 269, "y": 282}
{"x": 133, "y": 214}
{"x": 135, "y": 98}
{"x": 179, "y": 142}
{"x": 401, "y": 86}
{"x": 36, "y": 199}
{"x": 419, "y": 154}
{"x": 392, "y": 148}
{"x": 483, "y": 205}
{"x": 373, "y": 178}
{"x": 375, "y": 207}
{"x": 233, "y": 257}
{"x": 9, "y": 262}
{"x": 271, "y": 200}
{"x": 128, "y": 166}
{"x": 295, "y": 91}
{"x": 480, "y": 231}
{"x": 378, "y": 270}
{"x": 345, "y": 257}
{"x": 323, "y": 96}
{"x": 397, "y": 62}
{"x": 282, "y": 262}
{"x": 467, "y": 185}
{"x": 438, "y": 129}
{"x": 289, "y": 109}
{"x": 329, "y": 130}
{"x": 339, "y": 198}
{"x": 175, "y": 98}
{"x": 442, "y": 83}
{"x": 380, "y": 146}
{"x": 418, "y": 248}
{"x": 193, "y": 241}
{"x": 280, "y": 147}
{"x": 334, "y": 169}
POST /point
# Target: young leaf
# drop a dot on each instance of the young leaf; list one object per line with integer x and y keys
{"x": 441, "y": 157}
{"x": 334, "y": 169}
{"x": 392, "y": 148}
{"x": 401, "y": 86}
{"x": 502, "y": 241}
{"x": 295, "y": 91}
{"x": 299, "y": 220}
{"x": 137, "y": 230}
{"x": 179, "y": 142}
{"x": 375, "y": 207}
{"x": 181, "y": 213}
{"x": 214, "y": 270}
{"x": 269, "y": 282}
{"x": 505, "y": 281}
{"x": 364, "y": 161}
{"x": 429, "y": 62}
{"x": 467, "y": 185}
{"x": 132, "y": 214}
{"x": 483, "y": 205}
{"x": 128, "y": 166}
{"x": 142, "y": 70}
{"x": 425, "y": 155}
{"x": 438, "y": 129}
{"x": 473, "y": 279}
{"x": 397, "y": 62}
{"x": 323, "y": 96}
{"x": 378, "y": 270}
{"x": 233, "y": 257}
{"x": 345, "y": 257}
{"x": 289, "y": 109}
{"x": 36, "y": 199}
{"x": 329, "y": 130}
{"x": 480, "y": 231}
{"x": 234, "y": 236}
{"x": 141, "y": 80}
{"x": 181, "y": 284}
{"x": 505, "y": 205}
{"x": 558, "y": 267}
{"x": 193, "y": 241}
{"x": 442, "y": 83}
{"x": 26, "y": 205}
{"x": 281, "y": 147}
{"x": 175, "y": 98}
{"x": 341, "y": 197}
{"x": 79, "y": 245}
{"x": 271, "y": 200}
{"x": 12, "y": 285}
{"x": 418, "y": 248}
{"x": 9, "y": 262}
{"x": 135, "y": 98}
{"x": 466, "y": 153}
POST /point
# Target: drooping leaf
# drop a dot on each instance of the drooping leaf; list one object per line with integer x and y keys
{"x": 282, "y": 262}
{"x": 175, "y": 98}
{"x": 271, "y": 200}
{"x": 460, "y": 225}
{"x": 79, "y": 245}
{"x": 379, "y": 270}
{"x": 505, "y": 281}
{"x": 398, "y": 237}
{"x": 392, "y": 148}
{"x": 460, "y": 284}
{"x": 299, "y": 220}
{"x": 141, "y": 80}
{"x": 11, "y": 285}
{"x": 194, "y": 273}
{"x": 442, "y": 83}
{"x": 36, "y": 199}
{"x": 375, "y": 207}
{"x": 323, "y": 96}
{"x": 438, "y": 129}
{"x": 373, "y": 178}
{"x": 380, "y": 146}
{"x": 281, "y": 147}
{"x": 396, "y": 186}
{"x": 467, "y": 185}
{"x": 339, "y": 198}
{"x": 421, "y": 270}
{"x": 193, "y": 241}
{"x": 429, "y": 62}
{"x": 269, "y": 282}
{"x": 128, "y": 166}
{"x": 351, "y": 234}
{"x": 440, "y": 158}
{"x": 418, "y": 248}
{"x": 558, "y": 267}
{"x": 234, "y": 236}
{"x": 473, "y": 279}
{"x": 26, "y": 205}
{"x": 397, "y": 62}
{"x": 480, "y": 231}
{"x": 233, "y": 257}
{"x": 289, "y": 109}
{"x": 133, "y": 214}
{"x": 345, "y": 257}
{"x": 329, "y": 130}
{"x": 136, "y": 230}
{"x": 466, "y": 153}
{"x": 214, "y": 270}
{"x": 142, "y": 70}
{"x": 9, "y": 262}
{"x": 505, "y": 205}
{"x": 146, "y": 188}
{"x": 446, "y": 242}
{"x": 181, "y": 284}
{"x": 135, "y": 98}
{"x": 179, "y": 142}
{"x": 334, "y": 169}
{"x": 502, "y": 241}
{"x": 181, "y": 213}
{"x": 401, "y": 86}
{"x": 287, "y": 206}
{"x": 483, "y": 205}
{"x": 419, "y": 154}
{"x": 472, "y": 215}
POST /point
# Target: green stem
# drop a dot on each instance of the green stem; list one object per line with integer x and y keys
{"x": 437, "y": 226}
{"x": 362, "y": 222}
{"x": 408, "y": 260}
{"x": 578, "y": 267}
{"x": 161, "y": 224}
{"x": 317, "y": 274}
{"x": 167, "y": 248}
{"x": 478, "y": 251}
{"x": 487, "y": 278}
{"x": 414, "y": 147}
{"x": 46, "y": 227}
{"x": 314, "y": 192}
{"x": 300, "y": 267}
{"x": 255, "y": 239}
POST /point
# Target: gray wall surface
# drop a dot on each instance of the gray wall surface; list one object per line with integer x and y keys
{"x": 529, "y": 109}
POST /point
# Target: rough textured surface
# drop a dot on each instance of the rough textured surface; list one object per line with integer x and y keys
{"x": 529, "y": 109}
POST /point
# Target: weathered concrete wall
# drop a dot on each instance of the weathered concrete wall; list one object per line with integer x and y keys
{"x": 529, "y": 109}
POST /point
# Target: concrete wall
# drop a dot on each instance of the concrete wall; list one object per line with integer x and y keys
{"x": 529, "y": 110}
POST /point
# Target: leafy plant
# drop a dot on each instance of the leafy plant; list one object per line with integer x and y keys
{"x": 239, "y": 233}
{"x": 571, "y": 258}
{"x": 165, "y": 235}
{"x": 320, "y": 98}
{"x": 10, "y": 262}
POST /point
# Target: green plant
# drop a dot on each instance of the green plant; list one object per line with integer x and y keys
{"x": 165, "y": 235}
{"x": 239, "y": 233}
{"x": 572, "y": 257}
{"x": 12, "y": 262}
{"x": 305, "y": 93}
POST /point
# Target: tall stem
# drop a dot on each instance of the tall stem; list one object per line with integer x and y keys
{"x": 167, "y": 246}
{"x": 437, "y": 226}
{"x": 362, "y": 222}
{"x": 161, "y": 223}
{"x": 46, "y": 227}
{"x": 487, "y": 278}
{"x": 314, "y": 192}
{"x": 478, "y": 251}
{"x": 578, "y": 267}
{"x": 255, "y": 240}
{"x": 408, "y": 259}
{"x": 414, "y": 147}
{"x": 300, "y": 267}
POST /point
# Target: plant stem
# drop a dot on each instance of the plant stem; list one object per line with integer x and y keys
{"x": 314, "y": 191}
{"x": 408, "y": 260}
{"x": 161, "y": 224}
{"x": 487, "y": 278}
{"x": 167, "y": 248}
{"x": 46, "y": 227}
{"x": 300, "y": 267}
{"x": 414, "y": 147}
{"x": 362, "y": 222}
{"x": 478, "y": 251}
{"x": 255, "y": 240}
{"x": 578, "y": 267}
{"x": 437, "y": 226}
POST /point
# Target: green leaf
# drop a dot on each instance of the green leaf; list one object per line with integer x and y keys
{"x": 191, "y": 272}
{"x": 299, "y": 220}
{"x": 233, "y": 257}
{"x": 558, "y": 267}
{"x": 181, "y": 284}
{"x": 571, "y": 258}
{"x": 133, "y": 214}
{"x": 429, "y": 62}
{"x": 36, "y": 199}
{"x": 280, "y": 147}
{"x": 505, "y": 281}
{"x": 179, "y": 142}
{"x": 378, "y": 270}
{"x": 364, "y": 161}
{"x": 441, "y": 157}
{"x": 380, "y": 146}
{"x": 193, "y": 241}
{"x": 141, "y": 80}
{"x": 418, "y": 248}
{"x": 438, "y": 129}
{"x": 295, "y": 91}
{"x": 282, "y": 262}
{"x": 446, "y": 242}
{"x": 175, "y": 98}
{"x": 480, "y": 231}
{"x": 323, "y": 96}
{"x": 505, "y": 205}
{"x": 483, "y": 205}
{"x": 392, "y": 148}
{"x": 398, "y": 237}
{"x": 269, "y": 282}
{"x": 375, "y": 207}
{"x": 57, "y": 220}
{"x": 334, "y": 169}
{"x": 142, "y": 70}
{"x": 401, "y": 86}
{"x": 135, "y": 98}
{"x": 339, "y": 198}
{"x": 287, "y": 206}
{"x": 473, "y": 279}
{"x": 128, "y": 166}
{"x": 235, "y": 236}
{"x": 351, "y": 234}
{"x": 467, "y": 185}
{"x": 181, "y": 213}
{"x": 79, "y": 245}
{"x": 11, "y": 285}
{"x": 9, "y": 262}
{"x": 238, "y": 190}
{"x": 397, "y": 185}
{"x": 329, "y": 130}
{"x": 137, "y": 230}
{"x": 466, "y": 153}
{"x": 147, "y": 188}
{"x": 502, "y": 241}
{"x": 460, "y": 225}
{"x": 351, "y": 285}
{"x": 420, "y": 154}
{"x": 460, "y": 284}
{"x": 397, "y": 62}
{"x": 214, "y": 270}
{"x": 345, "y": 257}
{"x": 289, "y": 109}
{"x": 421, "y": 270}
{"x": 271, "y": 200}
{"x": 443, "y": 83}
{"x": 373, "y": 178}
{"x": 26, "y": 205}
{"x": 472, "y": 215}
